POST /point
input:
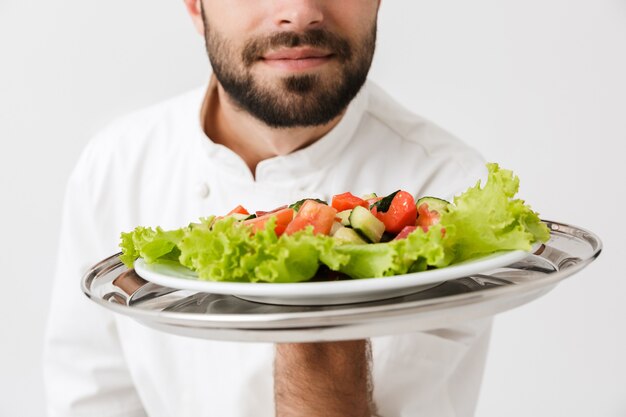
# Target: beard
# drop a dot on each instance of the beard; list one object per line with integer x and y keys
{"x": 294, "y": 101}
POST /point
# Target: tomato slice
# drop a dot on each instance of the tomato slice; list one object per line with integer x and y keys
{"x": 402, "y": 212}
{"x": 426, "y": 217}
{"x": 283, "y": 218}
{"x": 315, "y": 214}
{"x": 238, "y": 210}
{"x": 347, "y": 201}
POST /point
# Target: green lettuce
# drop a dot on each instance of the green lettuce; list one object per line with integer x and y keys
{"x": 227, "y": 251}
{"x": 417, "y": 252}
{"x": 150, "y": 244}
{"x": 484, "y": 220}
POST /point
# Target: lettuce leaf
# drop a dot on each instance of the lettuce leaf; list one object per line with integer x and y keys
{"x": 150, "y": 244}
{"x": 227, "y": 251}
{"x": 415, "y": 253}
{"x": 484, "y": 220}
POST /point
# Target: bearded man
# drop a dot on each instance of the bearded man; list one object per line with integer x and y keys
{"x": 287, "y": 114}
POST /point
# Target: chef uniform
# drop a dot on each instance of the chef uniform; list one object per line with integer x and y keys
{"x": 158, "y": 167}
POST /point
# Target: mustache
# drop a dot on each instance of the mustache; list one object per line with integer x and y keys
{"x": 317, "y": 38}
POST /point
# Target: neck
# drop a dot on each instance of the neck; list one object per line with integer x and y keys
{"x": 251, "y": 139}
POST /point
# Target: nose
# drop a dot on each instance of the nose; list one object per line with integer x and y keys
{"x": 298, "y": 15}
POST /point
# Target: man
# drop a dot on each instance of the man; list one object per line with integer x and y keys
{"x": 288, "y": 114}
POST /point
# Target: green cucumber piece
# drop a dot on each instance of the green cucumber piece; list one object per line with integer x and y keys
{"x": 345, "y": 217}
{"x": 364, "y": 222}
{"x": 335, "y": 227}
{"x": 347, "y": 235}
{"x": 434, "y": 204}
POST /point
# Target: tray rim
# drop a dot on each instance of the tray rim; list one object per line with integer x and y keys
{"x": 340, "y": 316}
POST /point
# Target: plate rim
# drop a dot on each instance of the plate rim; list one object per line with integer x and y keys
{"x": 331, "y": 288}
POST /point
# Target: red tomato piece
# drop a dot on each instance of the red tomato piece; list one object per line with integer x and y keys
{"x": 238, "y": 210}
{"x": 402, "y": 212}
{"x": 426, "y": 217}
{"x": 283, "y": 218}
{"x": 315, "y": 214}
{"x": 347, "y": 201}
{"x": 406, "y": 230}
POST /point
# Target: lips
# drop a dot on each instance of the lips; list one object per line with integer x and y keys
{"x": 296, "y": 54}
{"x": 296, "y": 59}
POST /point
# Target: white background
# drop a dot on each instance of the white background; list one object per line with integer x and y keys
{"x": 539, "y": 86}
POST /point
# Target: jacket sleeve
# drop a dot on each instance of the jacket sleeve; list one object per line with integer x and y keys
{"x": 85, "y": 372}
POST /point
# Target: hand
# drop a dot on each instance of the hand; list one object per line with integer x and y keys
{"x": 323, "y": 379}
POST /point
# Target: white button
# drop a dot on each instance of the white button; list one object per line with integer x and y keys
{"x": 203, "y": 190}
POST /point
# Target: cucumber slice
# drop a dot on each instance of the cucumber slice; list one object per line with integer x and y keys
{"x": 369, "y": 196}
{"x": 364, "y": 222}
{"x": 335, "y": 227}
{"x": 345, "y": 217}
{"x": 347, "y": 235}
{"x": 434, "y": 204}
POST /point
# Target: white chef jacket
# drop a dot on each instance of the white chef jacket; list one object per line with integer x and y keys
{"x": 157, "y": 167}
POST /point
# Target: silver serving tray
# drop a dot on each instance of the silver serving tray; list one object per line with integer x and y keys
{"x": 224, "y": 317}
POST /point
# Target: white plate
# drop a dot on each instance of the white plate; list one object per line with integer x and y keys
{"x": 324, "y": 293}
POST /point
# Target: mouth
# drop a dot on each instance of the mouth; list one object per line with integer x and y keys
{"x": 297, "y": 59}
